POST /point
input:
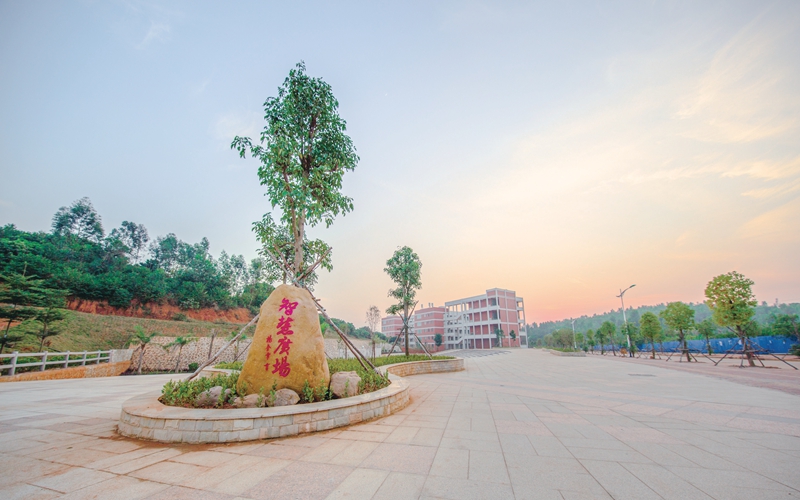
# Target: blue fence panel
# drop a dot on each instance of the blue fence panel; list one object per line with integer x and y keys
{"x": 776, "y": 344}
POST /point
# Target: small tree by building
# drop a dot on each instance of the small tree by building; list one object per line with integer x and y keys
{"x": 513, "y": 335}
{"x": 373, "y": 320}
{"x": 499, "y": 334}
{"x": 437, "y": 339}
{"x": 608, "y": 330}
{"x": 732, "y": 303}
{"x": 680, "y": 318}
{"x": 404, "y": 268}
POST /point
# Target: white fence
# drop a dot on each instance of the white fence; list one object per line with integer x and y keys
{"x": 68, "y": 358}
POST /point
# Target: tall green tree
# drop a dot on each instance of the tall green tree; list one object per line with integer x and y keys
{"x": 732, "y": 303}
{"x": 79, "y": 219}
{"x": 787, "y": 325}
{"x": 133, "y": 237}
{"x": 680, "y": 318}
{"x": 404, "y": 268}
{"x": 600, "y": 336}
{"x": 304, "y": 153}
{"x": 651, "y": 330}
{"x": 590, "y": 338}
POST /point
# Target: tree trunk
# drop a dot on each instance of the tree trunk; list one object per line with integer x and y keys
{"x": 298, "y": 243}
{"x": 141, "y": 359}
{"x": 748, "y": 351}
{"x": 405, "y": 322}
{"x": 653, "y": 346}
{"x": 211, "y": 347}
{"x": 178, "y": 363}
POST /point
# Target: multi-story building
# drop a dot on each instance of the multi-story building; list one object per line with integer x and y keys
{"x": 473, "y": 322}
{"x": 469, "y": 323}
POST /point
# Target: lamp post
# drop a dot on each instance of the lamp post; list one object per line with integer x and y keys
{"x": 574, "y": 342}
{"x": 624, "y": 319}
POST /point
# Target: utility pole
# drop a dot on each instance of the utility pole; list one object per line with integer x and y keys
{"x": 624, "y": 319}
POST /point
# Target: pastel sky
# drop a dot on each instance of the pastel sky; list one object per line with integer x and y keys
{"x": 564, "y": 150}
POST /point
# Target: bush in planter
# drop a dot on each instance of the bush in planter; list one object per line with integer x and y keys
{"x": 193, "y": 367}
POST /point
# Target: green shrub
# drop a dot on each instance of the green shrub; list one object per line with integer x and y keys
{"x": 180, "y": 317}
{"x": 236, "y": 365}
{"x": 193, "y": 367}
{"x": 185, "y": 393}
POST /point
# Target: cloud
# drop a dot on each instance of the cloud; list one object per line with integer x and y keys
{"x": 157, "y": 32}
{"x": 776, "y": 225}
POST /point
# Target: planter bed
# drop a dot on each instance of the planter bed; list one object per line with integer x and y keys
{"x": 145, "y": 417}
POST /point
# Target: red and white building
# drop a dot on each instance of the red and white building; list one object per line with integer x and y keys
{"x": 469, "y": 323}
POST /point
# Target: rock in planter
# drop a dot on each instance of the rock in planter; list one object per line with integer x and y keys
{"x": 288, "y": 348}
{"x": 345, "y": 384}
{"x": 286, "y": 397}
{"x": 211, "y": 396}
{"x": 249, "y": 401}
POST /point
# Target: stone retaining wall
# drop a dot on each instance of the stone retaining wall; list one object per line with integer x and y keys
{"x": 145, "y": 417}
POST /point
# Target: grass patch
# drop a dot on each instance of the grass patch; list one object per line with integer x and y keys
{"x": 185, "y": 393}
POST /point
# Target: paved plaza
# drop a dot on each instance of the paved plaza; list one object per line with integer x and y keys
{"x": 521, "y": 424}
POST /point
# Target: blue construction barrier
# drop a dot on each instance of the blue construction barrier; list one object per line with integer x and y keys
{"x": 775, "y": 344}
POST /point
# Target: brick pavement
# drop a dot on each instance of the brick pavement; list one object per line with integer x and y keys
{"x": 522, "y": 425}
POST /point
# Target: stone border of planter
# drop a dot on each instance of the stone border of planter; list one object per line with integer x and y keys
{"x": 145, "y": 417}
{"x": 580, "y": 354}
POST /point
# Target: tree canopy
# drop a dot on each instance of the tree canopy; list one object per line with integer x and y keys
{"x": 304, "y": 153}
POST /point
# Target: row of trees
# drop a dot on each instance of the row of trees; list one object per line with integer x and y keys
{"x": 730, "y": 299}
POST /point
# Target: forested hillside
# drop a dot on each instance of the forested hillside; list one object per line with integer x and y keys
{"x": 125, "y": 267}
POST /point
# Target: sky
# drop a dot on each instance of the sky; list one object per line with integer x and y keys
{"x": 564, "y": 150}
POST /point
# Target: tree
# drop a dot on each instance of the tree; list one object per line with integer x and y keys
{"x": 498, "y": 332}
{"x": 304, "y": 153}
{"x": 437, "y": 339}
{"x": 133, "y": 237}
{"x": 143, "y": 339}
{"x": 513, "y": 335}
{"x": 608, "y": 329}
{"x": 51, "y": 313}
{"x": 732, "y": 304}
{"x": 707, "y": 329}
{"x": 600, "y": 336}
{"x": 629, "y": 329}
{"x": 17, "y": 293}
{"x": 680, "y": 318}
{"x": 787, "y": 325}
{"x": 651, "y": 329}
{"x": 373, "y": 320}
{"x": 79, "y": 219}
{"x": 404, "y": 269}
{"x": 179, "y": 342}
{"x": 590, "y": 338}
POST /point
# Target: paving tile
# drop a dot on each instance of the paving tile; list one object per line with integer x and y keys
{"x": 665, "y": 483}
{"x": 618, "y": 481}
{"x": 169, "y": 472}
{"x": 459, "y": 489}
{"x": 20, "y": 469}
{"x": 452, "y": 463}
{"x": 117, "y": 488}
{"x": 23, "y": 491}
{"x": 129, "y": 466}
{"x": 204, "y": 458}
{"x": 361, "y": 484}
{"x": 72, "y": 479}
{"x": 410, "y": 459}
{"x": 400, "y": 486}
{"x": 237, "y": 482}
{"x": 300, "y": 481}
{"x": 183, "y": 493}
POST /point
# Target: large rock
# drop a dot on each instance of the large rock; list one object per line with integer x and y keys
{"x": 211, "y": 396}
{"x": 345, "y": 384}
{"x": 250, "y": 401}
{"x": 285, "y": 397}
{"x": 288, "y": 349}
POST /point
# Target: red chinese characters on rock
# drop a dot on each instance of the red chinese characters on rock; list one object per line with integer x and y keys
{"x": 281, "y": 364}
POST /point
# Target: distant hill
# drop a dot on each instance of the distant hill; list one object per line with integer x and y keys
{"x": 765, "y": 314}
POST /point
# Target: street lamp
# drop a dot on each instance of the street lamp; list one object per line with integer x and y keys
{"x": 624, "y": 319}
{"x": 574, "y": 342}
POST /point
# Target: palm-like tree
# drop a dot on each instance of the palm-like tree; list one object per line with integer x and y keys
{"x": 179, "y": 342}
{"x": 143, "y": 339}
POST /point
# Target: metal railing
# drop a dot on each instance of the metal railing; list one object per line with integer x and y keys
{"x": 46, "y": 359}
